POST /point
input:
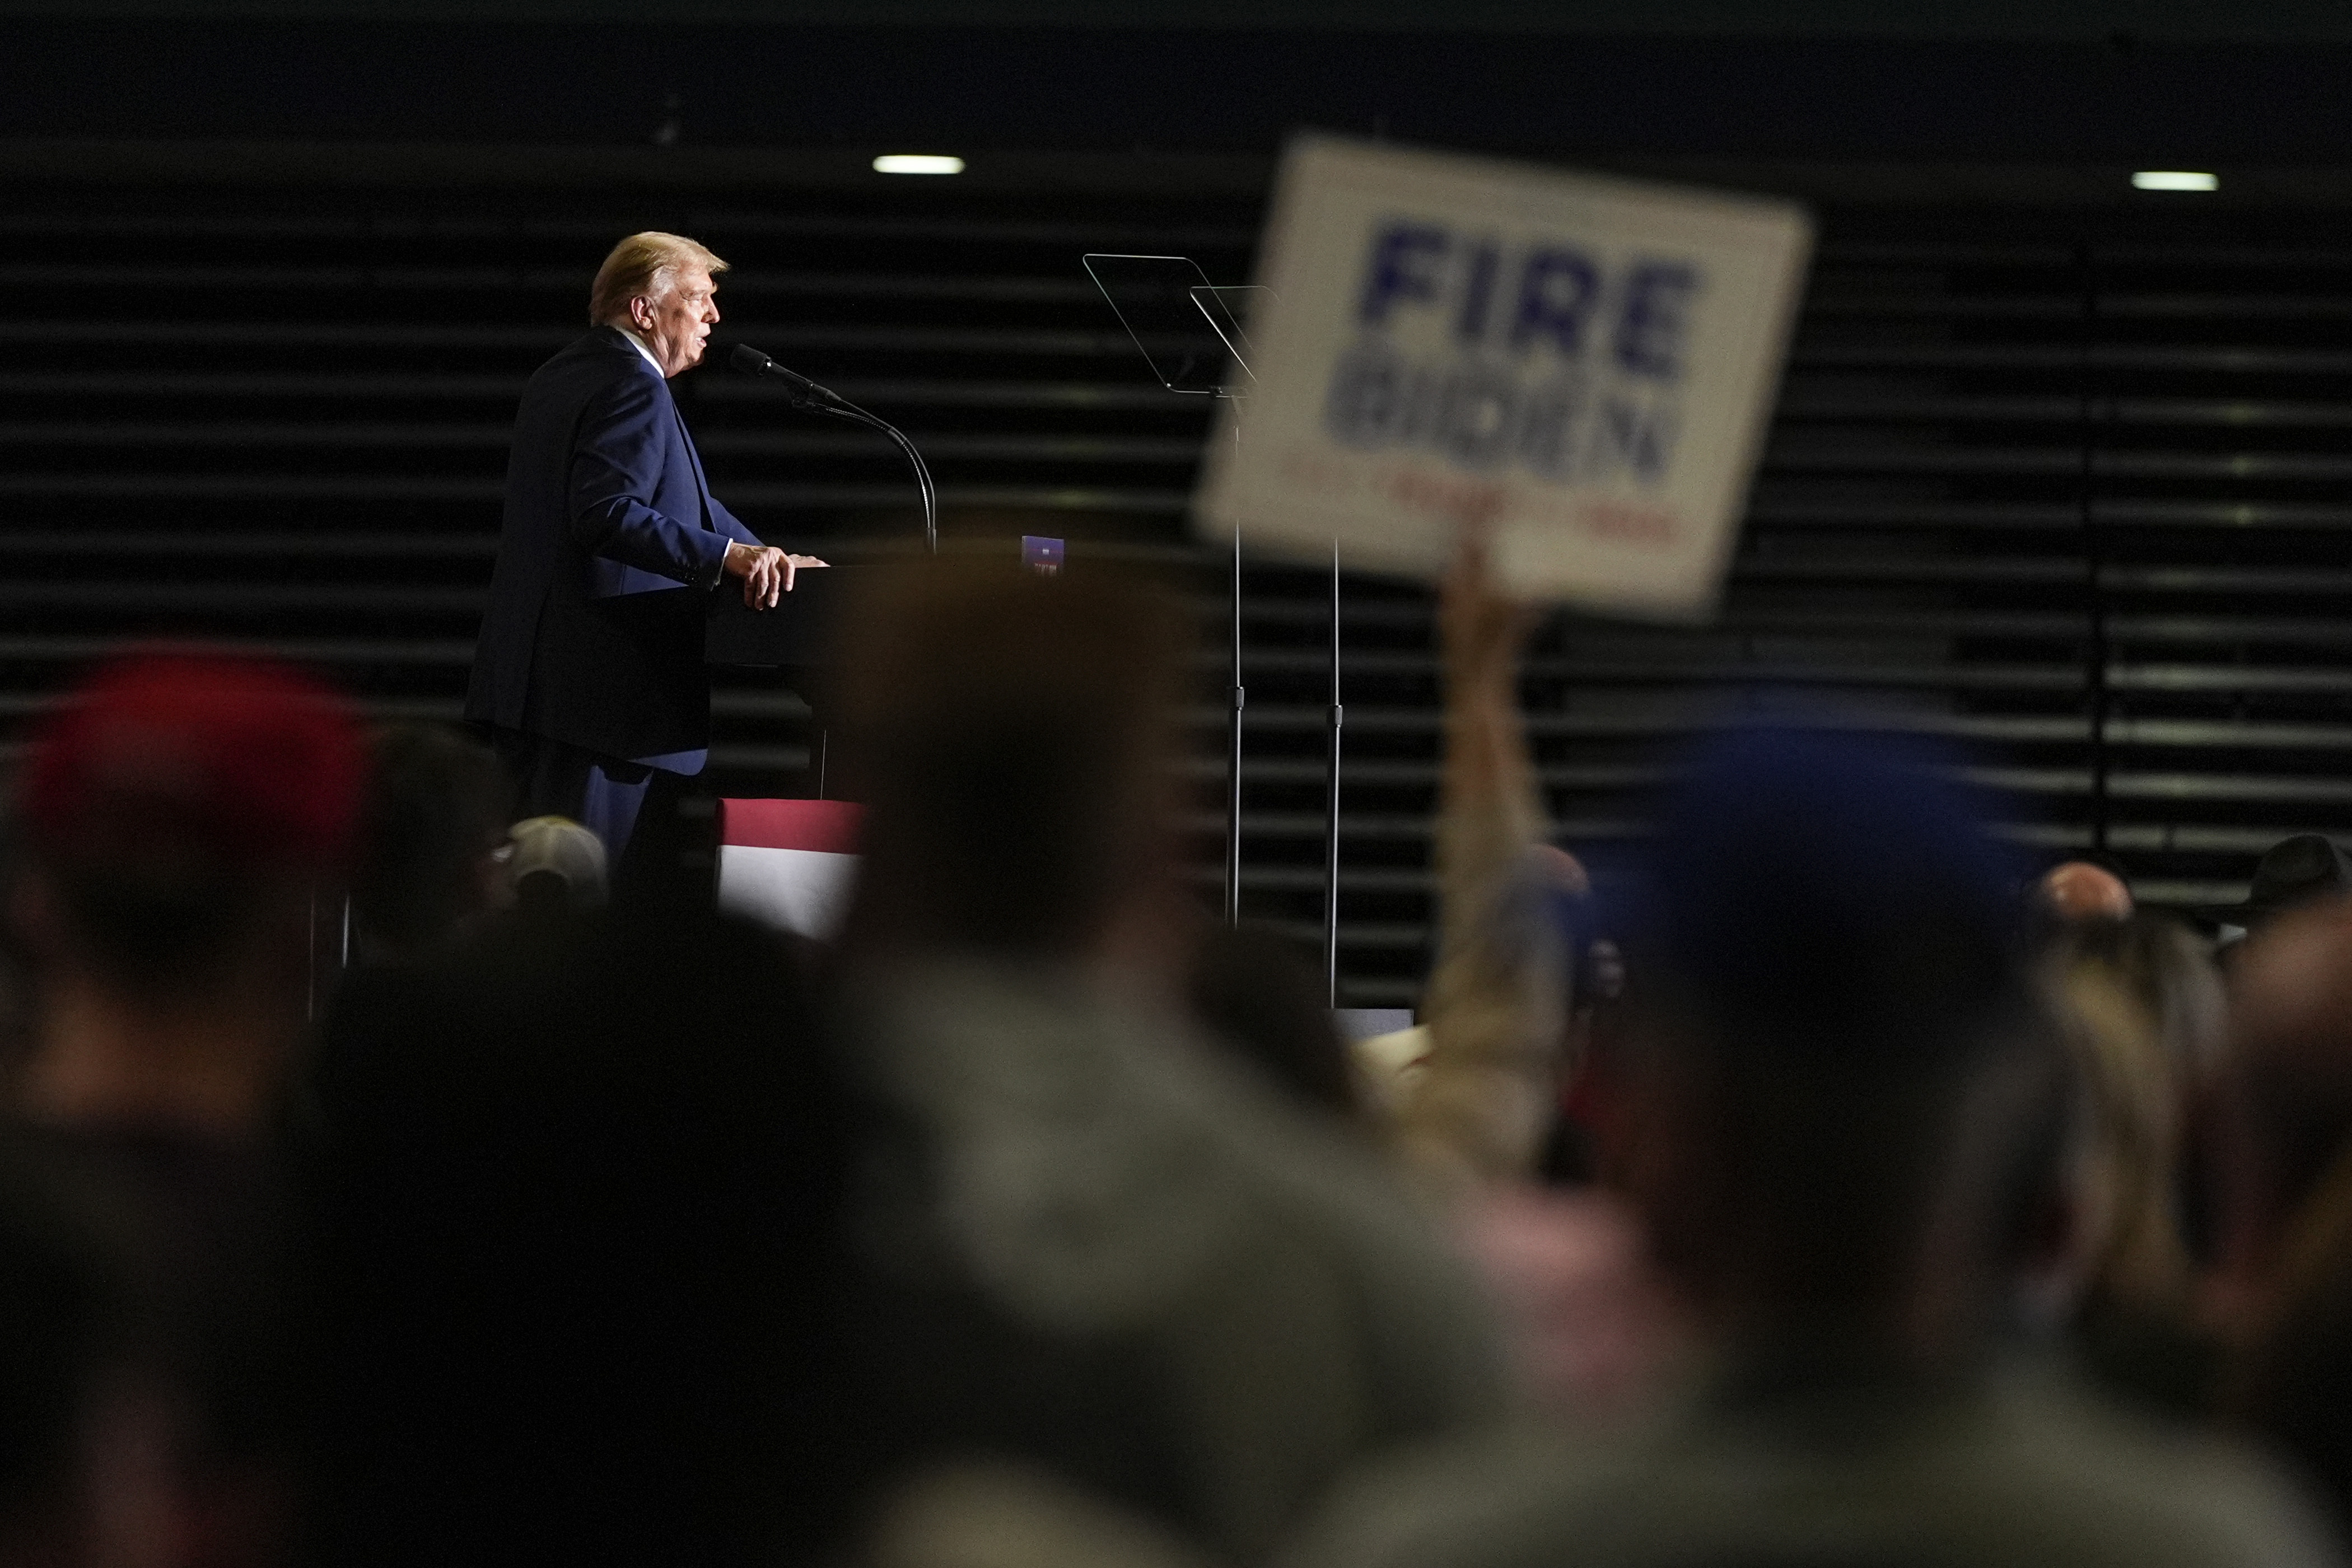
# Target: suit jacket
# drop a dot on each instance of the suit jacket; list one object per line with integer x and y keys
{"x": 611, "y": 547}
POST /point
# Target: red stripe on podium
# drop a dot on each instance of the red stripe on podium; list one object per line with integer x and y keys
{"x": 829, "y": 826}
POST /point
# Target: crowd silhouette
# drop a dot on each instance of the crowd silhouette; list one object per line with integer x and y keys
{"x": 1825, "y": 1185}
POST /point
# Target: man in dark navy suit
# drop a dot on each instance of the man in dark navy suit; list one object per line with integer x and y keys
{"x": 589, "y": 672}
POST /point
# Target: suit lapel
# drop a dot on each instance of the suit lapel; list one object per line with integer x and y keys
{"x": 686, "y": 438}
{"x": 693, "y": 458}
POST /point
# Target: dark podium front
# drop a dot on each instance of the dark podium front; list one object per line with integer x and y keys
{"x": 797, "y": 639}
{"x": 798, "y": 632}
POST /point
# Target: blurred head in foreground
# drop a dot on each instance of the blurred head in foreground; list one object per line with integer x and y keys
{"x": 1259, "y": 997}
{"x": 1011, "y": 736}
{"x": 2138, "y": 1003}
{"x": 179, "y": 814}
{"x": 2289, "y": 1080}
{"x": 434, "y": 821}
{"x": 556, "y": 864}
{"x": 1843, "y": 1108}
{"x": 2284, "y": 1294}
{"x": 2079, "y": 890}
{"x": 2302, "y": 869}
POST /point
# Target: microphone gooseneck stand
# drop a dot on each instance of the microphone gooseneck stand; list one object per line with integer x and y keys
{"x": 842, "y": 408}
{"x": 808, "y": 397}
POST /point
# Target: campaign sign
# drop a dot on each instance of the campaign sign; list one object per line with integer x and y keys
{"x": 1584, "y": 364}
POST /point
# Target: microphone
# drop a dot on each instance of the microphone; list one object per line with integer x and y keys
{"x": 751, "y": 362}
{"x": 810, "y": 399}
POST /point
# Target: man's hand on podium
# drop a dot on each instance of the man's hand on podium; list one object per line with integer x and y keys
{"x": 767, "y": 572}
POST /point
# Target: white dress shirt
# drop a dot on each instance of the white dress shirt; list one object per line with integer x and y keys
{"x": 640, "y": 345}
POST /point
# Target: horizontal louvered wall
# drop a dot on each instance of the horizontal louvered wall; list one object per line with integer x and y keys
{"x": 2065, "y": 488}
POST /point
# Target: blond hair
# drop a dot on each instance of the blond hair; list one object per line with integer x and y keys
{"x": 2140, "y": 1004}
{"x": 643, "y": 266}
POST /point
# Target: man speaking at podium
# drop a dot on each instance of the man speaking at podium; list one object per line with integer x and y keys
{"x": 590, "y": 672}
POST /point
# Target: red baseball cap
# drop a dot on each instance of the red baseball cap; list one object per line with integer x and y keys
{"x": 240, "y": 759}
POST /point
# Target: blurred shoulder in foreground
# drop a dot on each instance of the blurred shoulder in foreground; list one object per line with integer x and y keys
{"x": 1845, "y": 1129}
{"x": 1095, "y": 1246}
{"x": 180, "y": 813}
{"x": 572, "y": 1234}
{"x": 2024, "y": 1470}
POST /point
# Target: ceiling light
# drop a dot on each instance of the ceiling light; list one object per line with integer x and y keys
{"x": 2174, "y": 180}
{"x": 917, "y": 163}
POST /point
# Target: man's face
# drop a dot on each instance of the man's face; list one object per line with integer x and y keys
{"x": 677, "y": 325}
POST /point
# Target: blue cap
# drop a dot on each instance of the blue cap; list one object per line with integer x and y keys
{"x": 1812, "y": 888}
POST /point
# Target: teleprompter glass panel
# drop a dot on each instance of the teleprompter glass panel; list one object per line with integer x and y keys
{"x": 1180, "y": 322}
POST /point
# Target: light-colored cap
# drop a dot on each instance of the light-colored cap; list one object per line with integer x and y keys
{"x": 561, "y": 847}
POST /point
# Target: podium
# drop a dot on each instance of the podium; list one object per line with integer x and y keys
{"x": 786, "y": 863}
{"x": 797, "y": 634}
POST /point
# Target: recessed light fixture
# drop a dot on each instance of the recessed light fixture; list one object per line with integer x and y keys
{"x": 917, "y": 163}
{"x": 2174, "y": 180}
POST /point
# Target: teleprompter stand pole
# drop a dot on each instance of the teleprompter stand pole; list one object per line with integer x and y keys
{"x": 1238, "y": 700}
{"x": 1331, "y": 805}
{"x": 1186, "y": 331}
{"x": 1183, "y": 327}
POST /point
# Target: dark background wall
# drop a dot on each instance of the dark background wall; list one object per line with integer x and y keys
{"x": 2055, "y": 83}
